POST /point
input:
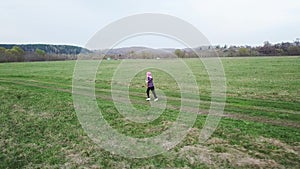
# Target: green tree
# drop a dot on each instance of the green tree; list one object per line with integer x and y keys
{"x": 294, "y": 50}
{"x": 19, "y": 54}
{"x": 179, "y": 53}
{"x": 2, "y": 54}
{"x": 10, "y": 57}
{"x": 244, "y": 51}
{"x": 2, "y": 50}
{"x": 16, "y": 50}
{"x": 40, "y": 52}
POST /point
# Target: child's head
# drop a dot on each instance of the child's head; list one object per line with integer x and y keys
{"x": 149, "y": 74}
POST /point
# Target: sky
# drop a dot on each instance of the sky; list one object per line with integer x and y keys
{"x": 74, "y": 22}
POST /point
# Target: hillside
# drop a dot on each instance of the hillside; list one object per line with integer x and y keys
{"x": 49, "y": 49}
{"x": 48, "y": 52}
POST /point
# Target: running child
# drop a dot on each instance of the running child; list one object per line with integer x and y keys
{"x": 150, "y": 86}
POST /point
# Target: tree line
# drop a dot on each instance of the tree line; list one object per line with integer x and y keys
{"x": 38, "y": 52}
{"x": 267, "y": 49}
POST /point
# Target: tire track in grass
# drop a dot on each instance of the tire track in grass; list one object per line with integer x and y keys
{"x": 266, "y": 109}
{"x": 236, "y": 116}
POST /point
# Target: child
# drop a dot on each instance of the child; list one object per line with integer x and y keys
{"x": 150, "y": 86}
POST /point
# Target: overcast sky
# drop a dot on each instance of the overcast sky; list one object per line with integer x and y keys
{"x": 74, "y": 22}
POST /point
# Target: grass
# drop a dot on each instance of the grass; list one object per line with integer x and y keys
{"x": 39, "y": 126}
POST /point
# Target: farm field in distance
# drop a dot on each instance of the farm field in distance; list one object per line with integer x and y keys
{"x": 260, "y": 127}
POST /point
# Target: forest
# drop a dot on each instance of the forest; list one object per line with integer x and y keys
{"x": 48, "y": 52}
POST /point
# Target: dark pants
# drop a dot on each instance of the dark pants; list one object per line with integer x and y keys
{"x": 153, "y": 91}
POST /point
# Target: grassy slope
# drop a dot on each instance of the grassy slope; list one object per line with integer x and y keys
{"x": 39, "y": 126}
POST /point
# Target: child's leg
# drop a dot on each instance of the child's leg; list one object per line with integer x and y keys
{"x": 148, "y": 89}
{"x": 153, "y": 91}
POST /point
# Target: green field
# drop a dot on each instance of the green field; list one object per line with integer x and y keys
{"x": 260, "y": 127}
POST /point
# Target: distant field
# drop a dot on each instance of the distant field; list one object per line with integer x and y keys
{"x": 260, "y": 127}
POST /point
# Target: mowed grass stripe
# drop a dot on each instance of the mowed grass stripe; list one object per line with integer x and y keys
{"x": 253, "y": 107}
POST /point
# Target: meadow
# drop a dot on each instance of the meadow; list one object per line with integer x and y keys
{"x": 260, "y": 127}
